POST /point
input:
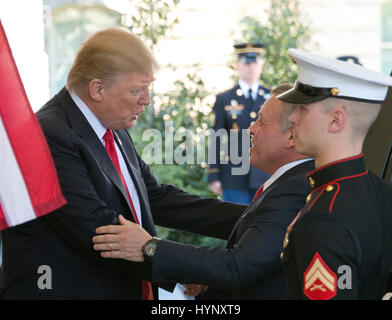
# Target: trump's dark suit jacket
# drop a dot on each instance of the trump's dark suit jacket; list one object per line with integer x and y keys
{"x": 62, "y": 240}
{"x": 249, "y": 267}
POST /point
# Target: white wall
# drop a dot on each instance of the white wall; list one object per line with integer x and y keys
{"x": 205, "y": 35}
{"x": 207, "y": 28}
{"x": 23, "y": 24}
{"x": 346, "y": 27}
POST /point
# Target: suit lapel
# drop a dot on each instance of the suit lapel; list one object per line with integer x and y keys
{"x": 253, "y": 206}
{"x": 83, "y": 129}
{"x": 259, "y": 200}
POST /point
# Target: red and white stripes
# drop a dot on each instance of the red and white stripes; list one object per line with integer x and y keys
{"x": 29, "y": 185}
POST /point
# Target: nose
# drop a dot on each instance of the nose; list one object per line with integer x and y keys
{"x": 145, "y": 98}
{"x": 251, "y": 129}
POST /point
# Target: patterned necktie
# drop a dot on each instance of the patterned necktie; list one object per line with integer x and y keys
{"x": 111, "y": 150}
{"x": 258, "y": 192}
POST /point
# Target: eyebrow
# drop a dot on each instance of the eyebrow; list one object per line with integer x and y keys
{"x": 140, "y": 87}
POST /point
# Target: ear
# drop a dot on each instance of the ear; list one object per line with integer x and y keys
{"x": 337, "y": 119}
{"x": 290, "y": 139}
{"x": 96, "y": 89}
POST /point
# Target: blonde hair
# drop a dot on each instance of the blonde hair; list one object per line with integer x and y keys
{"x": 107, "y": 54}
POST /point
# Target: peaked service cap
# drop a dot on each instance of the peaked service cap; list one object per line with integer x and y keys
{"x": 321, "y": 78}
{"x": 249, "y": 52}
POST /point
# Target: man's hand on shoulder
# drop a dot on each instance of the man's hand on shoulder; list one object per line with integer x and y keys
{"x": 124, "y": 241}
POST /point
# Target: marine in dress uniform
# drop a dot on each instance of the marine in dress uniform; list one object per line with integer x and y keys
{"x": 234, "y": 110}
{"x": 340, "y": 244}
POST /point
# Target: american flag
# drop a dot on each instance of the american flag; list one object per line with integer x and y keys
{"x": 29, "y": 186}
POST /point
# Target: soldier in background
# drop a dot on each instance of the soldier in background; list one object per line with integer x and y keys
{"x": 237, "y": 109}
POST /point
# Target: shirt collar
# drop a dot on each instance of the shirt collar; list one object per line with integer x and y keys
{"x": 282, "y": 170}
{"x": 92, "y": 119}
{"x": 245, "y": 88}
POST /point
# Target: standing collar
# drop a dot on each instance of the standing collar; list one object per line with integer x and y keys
{"x": 338, "y": 170}
{"x": 92, "y": 119}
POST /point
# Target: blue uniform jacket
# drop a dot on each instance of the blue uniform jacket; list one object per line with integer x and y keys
{"x": 233, "y": 112}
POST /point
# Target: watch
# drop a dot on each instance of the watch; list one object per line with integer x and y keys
{"x": 149, "y": 248}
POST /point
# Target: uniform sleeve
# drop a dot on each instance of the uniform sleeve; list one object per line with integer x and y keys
{"x": 327, "y": 254}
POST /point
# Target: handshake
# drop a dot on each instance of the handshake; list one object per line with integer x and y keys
{"x": 194, "y": 290}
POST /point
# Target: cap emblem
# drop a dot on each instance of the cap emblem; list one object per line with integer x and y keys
{"x": 334, "y": 91}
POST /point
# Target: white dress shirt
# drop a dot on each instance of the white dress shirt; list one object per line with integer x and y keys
{"x": 282, "y": 170}
{"x": 100, "y": 131}
{"x": 245, "y": 89}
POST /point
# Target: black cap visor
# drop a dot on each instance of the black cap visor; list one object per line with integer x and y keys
{"x": 248, "y": 57}
{"x": 294, "y": 96}
{"x": 304, "y": 94}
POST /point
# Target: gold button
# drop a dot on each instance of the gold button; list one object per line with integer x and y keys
{"x": 253, "y": 114}
{"x": 308, "y": 197}
{"x": 234, "y": 116}
{"x": 233, "y": 102}
{"x": 311, "y": 181}
{"x": 285, "y": 241}
{"x": 334, "y": 91}
{"x": 329, "y": 188}
{"x": 239, "y": 92}
{"x": 286, "y": 238}
{"x": 281, "y": 256}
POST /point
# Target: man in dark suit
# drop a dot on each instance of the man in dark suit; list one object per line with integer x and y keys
{"x": 249, "y": 267}
{"x": 234, "y": 111}
{"x": 101, "y": 176}
{"x": 340, "y": 246}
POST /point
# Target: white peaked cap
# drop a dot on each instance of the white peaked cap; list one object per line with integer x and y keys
{"x": 320, "y": 78}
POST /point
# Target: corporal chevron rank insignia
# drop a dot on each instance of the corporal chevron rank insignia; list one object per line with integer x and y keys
{"x": 319, "y": 280}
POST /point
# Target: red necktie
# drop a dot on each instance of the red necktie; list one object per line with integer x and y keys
{"x": 111, "y": 150}
{"x": 258, "y": 192}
